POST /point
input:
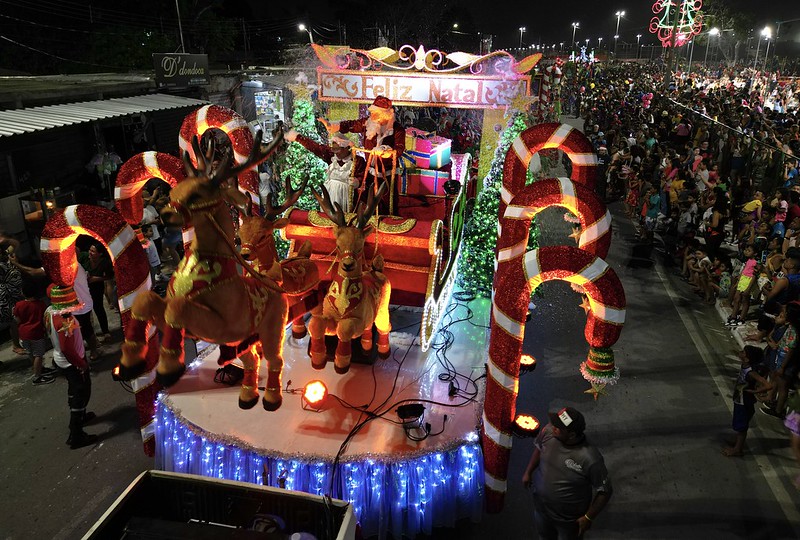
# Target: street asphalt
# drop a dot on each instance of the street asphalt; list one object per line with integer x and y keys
{"x": 661, "y": 428}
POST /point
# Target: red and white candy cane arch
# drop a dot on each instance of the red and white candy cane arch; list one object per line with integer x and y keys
{"x": 519, "y": 275}
{"x": 550, "y": 135}
{"x": 132, "y": 272}
{"x": 240, "y": 135}
{"x": 135, "y": 173}
{"x": 594, "y": 218}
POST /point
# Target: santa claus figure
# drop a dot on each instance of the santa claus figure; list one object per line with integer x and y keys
{"x": 384, "y": 137}
{"x": 344, "y": 169}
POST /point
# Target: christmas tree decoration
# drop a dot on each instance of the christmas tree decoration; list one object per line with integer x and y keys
{"x": 677, "y": 20}
{"x": 132, "y": 273}
{"x": 476, "y": 266}
{"x": 302, "y": 165}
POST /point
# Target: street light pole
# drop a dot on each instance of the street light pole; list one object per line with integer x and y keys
{"x": 521, "y": 32}
{"x": 638, "y": 46}
{"x": 180, "y": 27}
{"x": 767, "y": 33}
{"x": 599, "y": 42}
{"x": 575, "y": 26}
{"x": 711, "y": 33}
{"x": 302, "y": 27}
{"x": 619, "y": 15}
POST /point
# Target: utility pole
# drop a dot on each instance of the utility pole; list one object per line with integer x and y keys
{"x": 672, "y": 40}
{"x": 180, "y": 27}
{"x": 244, "y": 34}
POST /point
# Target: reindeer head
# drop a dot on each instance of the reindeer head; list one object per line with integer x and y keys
{"x": 206, "y": 187}
{"x": 256, "y": 231}
{"x": 350, "y": 237}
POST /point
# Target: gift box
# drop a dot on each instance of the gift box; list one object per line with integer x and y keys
{"x": 424, "y": 182}
{"x": 426, "y": 150}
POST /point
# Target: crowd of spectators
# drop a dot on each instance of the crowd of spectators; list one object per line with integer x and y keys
{"x": 706, "y": 165}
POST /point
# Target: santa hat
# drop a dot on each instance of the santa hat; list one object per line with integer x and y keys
{"x": 340, "y": 140}
{"x": 381, "y": 102}
{"x": 63, "y": 299}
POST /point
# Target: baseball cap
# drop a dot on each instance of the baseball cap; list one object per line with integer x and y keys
{"x": 568, "y": 419}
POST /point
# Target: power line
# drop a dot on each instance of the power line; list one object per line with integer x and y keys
{"x": 56, "y": 56}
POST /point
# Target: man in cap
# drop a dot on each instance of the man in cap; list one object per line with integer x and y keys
{"x": 383, "y": 135}
{"x": 570, "y": 482}
{"x": 344, "y": 169}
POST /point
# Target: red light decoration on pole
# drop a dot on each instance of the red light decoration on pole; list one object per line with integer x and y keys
{"x": 681, "y": 17}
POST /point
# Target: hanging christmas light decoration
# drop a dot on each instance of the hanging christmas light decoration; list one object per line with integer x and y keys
{"x": 689, "y": 21}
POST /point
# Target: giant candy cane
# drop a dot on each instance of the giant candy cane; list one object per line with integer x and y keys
{"x": 594, "y": 218}
{"x": 132, "y": 272}
{"x": 237, "y": 130}
{"x": 551, "y": 135}
{"x": 135, "y": 173}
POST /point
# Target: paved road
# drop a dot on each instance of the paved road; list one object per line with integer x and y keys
{"x": 661, "y": 428}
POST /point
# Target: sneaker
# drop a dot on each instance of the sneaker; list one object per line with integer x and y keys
{"x": 42, "y": 379}
{"x": 80, "y": 440}
{"x": 49, "y": 371}
{"x": 731, "y": 321}
{"x": 766, "y": 409}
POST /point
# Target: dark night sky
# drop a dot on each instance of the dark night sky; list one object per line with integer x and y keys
{"x": 550, "y": 22}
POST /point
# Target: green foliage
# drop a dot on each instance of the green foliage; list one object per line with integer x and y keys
{"x": 476, "y": 268}
{"x": 300, "y": 163}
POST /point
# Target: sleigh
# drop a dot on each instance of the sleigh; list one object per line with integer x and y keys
{"x": 420, "y": 245}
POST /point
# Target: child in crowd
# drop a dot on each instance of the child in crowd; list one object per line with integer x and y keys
{"x": 719, "y": 282}
{"x": 781, "y": 205}
{"x": 751, "y": 211}
{"x": 152, "y": 255}
{"x": 741, "y": 298}
{"x": 69, "y": 355}
{"x": 749, "y": 382}
{"x": 784, "y": 367}
{"x": 651, "y": 219}
{"x": 29, "y": 313}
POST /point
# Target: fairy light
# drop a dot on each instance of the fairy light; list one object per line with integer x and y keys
{"x": 689, "y": 21}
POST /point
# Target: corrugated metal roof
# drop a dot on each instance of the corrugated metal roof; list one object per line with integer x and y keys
{"x": 19, "y": 121}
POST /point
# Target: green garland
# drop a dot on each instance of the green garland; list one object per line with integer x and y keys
{"x": 476, "y": 267}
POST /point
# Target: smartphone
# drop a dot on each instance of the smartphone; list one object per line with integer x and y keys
{"x": 764, "y": 257}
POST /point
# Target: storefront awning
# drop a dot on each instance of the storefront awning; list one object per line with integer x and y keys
{"x": 19, "y": 121}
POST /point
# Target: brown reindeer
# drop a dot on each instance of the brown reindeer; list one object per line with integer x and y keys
{"x": 356, "y": 298}
{"x": 296, "y": 275}
{"x": 206, "y": 296}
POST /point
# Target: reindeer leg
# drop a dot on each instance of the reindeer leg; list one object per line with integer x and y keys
{"x": 316, "y": 327}
{"x": 248, "y": 394}
{"x": 171, "y": 364}
{"x": 299, "y": 330}
{"x": 366, "y": 340}
{"x": 272, "y": 346}
{"x": 146, "y": 308}
{"x": 383, "y": 322}
{"x": 345, "y": 332}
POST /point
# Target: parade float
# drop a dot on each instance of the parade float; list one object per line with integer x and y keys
{"x": 410, "y": 435}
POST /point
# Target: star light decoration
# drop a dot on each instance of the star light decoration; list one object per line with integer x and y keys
{"x": 597, "y": 390}
{"x": 520, "y": 103}
{"x": 688, "y": 14}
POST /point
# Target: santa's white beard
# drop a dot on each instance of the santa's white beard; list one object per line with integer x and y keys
{"x": 375, "y": 129}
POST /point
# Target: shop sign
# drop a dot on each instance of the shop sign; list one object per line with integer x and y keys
{"x": 181, "y": 70}
{"x": 430, "y": 89}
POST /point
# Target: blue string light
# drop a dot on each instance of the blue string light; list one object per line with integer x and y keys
{"x": 402, "y": 498}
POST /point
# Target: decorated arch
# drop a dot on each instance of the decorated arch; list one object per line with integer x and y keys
{"x": 132, "y": 272}
{"x": 540, "y": 137}
{"x": 594, "y": 218}
{"x": 237, "y": 130}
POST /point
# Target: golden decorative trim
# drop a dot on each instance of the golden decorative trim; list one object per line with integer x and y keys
{"x": 318, "y": 220}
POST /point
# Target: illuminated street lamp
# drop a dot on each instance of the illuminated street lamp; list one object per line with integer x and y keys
{"x": 638, "y": 45}
{"x": 713, "y": 32}
{"x": 302, "y": 28}
{"x": 767, "y": 33}
{"x": 521, "y": 32}
{"x": 599, "y": 42}
{"x": 619, "y": 15}
{"x": 575, "y": 26}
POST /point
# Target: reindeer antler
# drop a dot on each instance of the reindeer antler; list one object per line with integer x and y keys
{"x": 292, "y": 195}
{"x": 204, "y": 159}
{"x": 334, "y": 211}
{"x": 365, "y": 212}
{"x": 257, "y": 155}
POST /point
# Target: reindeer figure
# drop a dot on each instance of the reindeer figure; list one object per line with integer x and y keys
{"x": 206, "y": 297}
{"x": 356, "y": 298}
{"x": 296, "y": 275}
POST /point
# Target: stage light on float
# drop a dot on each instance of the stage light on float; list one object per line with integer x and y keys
{"x": 411, "y": 415}
{"x": 527, "y": 364}
{"x": 526, "y": 425}
{"x": 315, "y": 394}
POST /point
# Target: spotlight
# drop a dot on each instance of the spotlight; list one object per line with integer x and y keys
{"x": 315, "y": 395}
{"x": 411, "y": 415}
{"x": 527, "y": 364}
{"x": 451, "y": 187}
{"x": 115, "y": 373}
{"x": 525, "y": 425}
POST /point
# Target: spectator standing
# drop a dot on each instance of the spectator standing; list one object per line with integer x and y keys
{"x": 570, "y": 482}
{"x": 29, "y": 315}
{"x": 69, "y": 355}
{"x": 99, "y": 270}
{"x": 10, "y": 294}
{"x": 749, "y": 382}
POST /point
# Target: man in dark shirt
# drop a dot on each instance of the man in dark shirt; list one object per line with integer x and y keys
{"x": 570, "y": 482}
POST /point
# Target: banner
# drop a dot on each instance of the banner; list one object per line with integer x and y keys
{"x": 175, "y": 70}
{"x": 429, "y": 89}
